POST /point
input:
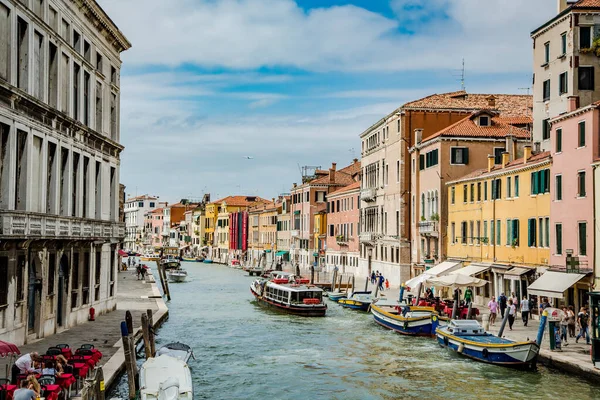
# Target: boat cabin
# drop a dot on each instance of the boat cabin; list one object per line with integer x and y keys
{"x": 294, "y": 295}
{"x": 465, "y": 327}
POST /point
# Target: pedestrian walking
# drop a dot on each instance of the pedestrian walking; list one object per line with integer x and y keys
{"x": 583, "y": 319}
{"x": 572, "y": 322}
{"x": 138, "y": 271}
{"x": 515, "y": 300}
{"x": 373, "y": 278}
{"x": 493, "y": 307}
{"x": 512, "y": 312}
{"x": 468, "y": 295}
{"x": 381, "y": 280}
{"x": 502, "y": 303}
{"x": 525, "y": 310}
{"x": 564, "y": 323}
{"x": 143, "y": 271}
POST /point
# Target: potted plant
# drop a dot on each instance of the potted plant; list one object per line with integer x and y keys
{"x": 515, "y": 243}
{"x": 435, "y": 217}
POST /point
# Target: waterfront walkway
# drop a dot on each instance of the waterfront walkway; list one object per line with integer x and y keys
{"x": 104, "y": 333}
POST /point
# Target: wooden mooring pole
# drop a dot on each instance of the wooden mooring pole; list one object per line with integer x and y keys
{"x": 151, "y": 329}
{"x": 129, "y": 321}
{"x": 146, "y": 335}
{"x": 129, "y": 359}
{"x": 166, "y": 282}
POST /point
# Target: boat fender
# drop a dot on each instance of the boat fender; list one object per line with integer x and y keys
{"x": 461, "y": 347}
{"x": 485, "y": 353}
{"x": 405, "y": 325}
{"x": 446, "y": 341}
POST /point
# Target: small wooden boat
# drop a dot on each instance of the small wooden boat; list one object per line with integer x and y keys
{"x": 207, "y": 261}
{"x": 357, "y": 301}
{"x": 408, "y": 320}
{"x": 468, "y": 338}
{"x": 189, "y": 259}
{"x": 170, "y": 263}
{"x": 177, "y": 350}
{"x": 336, "y": 296}
{"x": 293, "y": 298}
{"x": 165, "y": 378}
{"x": 177, "y": 275}
{"x": 150, "y": 257}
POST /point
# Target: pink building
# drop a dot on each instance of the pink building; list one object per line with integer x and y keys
{"x": 574, "y": 146}
{"x": 343, "y": 216}
{"x": 156, "y": 227}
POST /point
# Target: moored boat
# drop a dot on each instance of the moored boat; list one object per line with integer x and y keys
{"x": 177, "y": 275}
{"x": 170, "y": 263}
{"x": 165, "y": 378}
{"x": 189, "y": 259}
{"x": 357, "y": 301}
{"x": 468, "y": 338}
{"x": 408, "y": 320}
{"x": 177, "y": 350}
{"x": 207, "y": 261}
{"x": 336, "y": 296}
{"x": 293, "y": 298}
{"x": 150, "y": 257}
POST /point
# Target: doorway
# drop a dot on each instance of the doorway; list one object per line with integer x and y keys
{"x": 63, "y": 287}
{"x": 34, "y": 297}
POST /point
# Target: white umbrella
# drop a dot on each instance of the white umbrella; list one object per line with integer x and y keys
{"x": 456, "y": 280}
{"x": 417, "y": 280}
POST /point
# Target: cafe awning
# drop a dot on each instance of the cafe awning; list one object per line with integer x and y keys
{"x": 282, "y": 253}
{"x": 516, "y": 272}
{"x": 553, "y": 284}
{"x": 443, "y": 268}
{"x": 472, "y": 269}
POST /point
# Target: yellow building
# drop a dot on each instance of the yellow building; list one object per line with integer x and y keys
{"x": 499, "y": 223}
{"x": 320, "y": 238}
{"x": 210, "y": 220}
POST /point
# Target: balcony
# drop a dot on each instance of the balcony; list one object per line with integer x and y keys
{"x": 341, "y": 240}
{"x": 19, "y": 224}
{"x": 428, "y": 228}
{"x": 368, "y": 195}
{"x": 295, "y": 233}
{"x": 367, "y": 237}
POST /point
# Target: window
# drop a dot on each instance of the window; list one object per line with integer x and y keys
{"x": 463, "y": 232}
{"x": 472, "y": 232}
{"x": 496, "y": 189}
{"x": 492, "y": 232}
{"x": 431, "y": 158}
{"x": 498, "y": 232}
{"x": 558, "y": 187}
{"x": 464, "y": 193}
{"x": 531, "y": 232}
{"x": 484, "y": 120}
{"x": 541, "y": 232}
{"x": 582, "y": 239}
{"x": 485, "y": 191}
{"x": 585, "y": 37}
{"x": 540, "y": 182}
{"x": 517, "y": 186}
{"x": 141, "y": 204}
{"x": 547, "y": 232}
{"x": 563, "y": 86}
{"x": 478, "y": 237}
{"x": 545, "y": 129}
{"x": 77, "y": 41}
{"x": 558, "y": 141}
{"x": 581, "y": 137}
{"x": 546, "y": 89}
{"x": 581, "y": 184}
{"x": 508, "y": 232}
{"x": 398, "y": 171}
{"x": 99, "y": 62}
{"x": 459, "y": 155}
{"x": 485, "y": 236}
{"x": 113, "y": 75}
{"x": 558, "y": 235}
{"x": 546, "y": 53}
{"x": 472, "y": 192}
{"x": 421, "y": 162}
{"x": 508, "y": 187}
{"x": 3, "y": 281}
{"x": 452, "y": 194}
{"x": 586, "y": 78}
{"x": 498, "y": 155}
{"x": 515, "y": 232}
{"x": 563, "y": 43}
{"x": 478, "y": 191}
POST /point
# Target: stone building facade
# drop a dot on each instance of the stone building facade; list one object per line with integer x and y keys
{"x": 59, "y": 165}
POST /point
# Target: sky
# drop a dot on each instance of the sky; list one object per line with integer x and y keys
{"x": 289, "y": 83}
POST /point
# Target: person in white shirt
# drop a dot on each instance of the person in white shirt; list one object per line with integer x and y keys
{"x": 512, "y": 312}
{"x": 24, "y": 365}
{"x": 525, "y": 310}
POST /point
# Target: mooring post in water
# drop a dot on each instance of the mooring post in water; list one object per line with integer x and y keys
{"x": 99, "y": 384}
{"x": 167, "y": 292}
{"x": 470, "y": 310}
{"x": 340, "y": 283}
{"x": 151, "y": 329}
{"x": 376, "y": 290}
{"x": 401, "y": 296}
{"x": 312, "y": 274}
{"x": 129, "y": 321}
{"x": 455, "y": 306}
{"x": 162, "y": 282}
{"x": 542, "y": 327}
{"x": 501, "y": 331}
{"x": 146, "y": 335}
{"x": 333, "y": 278}
{"x": 129, "y": 363}
{"x": 348, "y": 285}
{"x": 353, "y": 282}
{"x": 367, "y": 283}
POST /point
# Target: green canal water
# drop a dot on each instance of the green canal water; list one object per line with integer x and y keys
{"x": 244, "y": 351}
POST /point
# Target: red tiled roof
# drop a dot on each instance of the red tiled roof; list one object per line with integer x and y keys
{"x": 515, "y": 164}
{"x": 142, "y": 197}
{"x": 180, "y": 205}
{"x": 241, "y": 201}
{"x": 586, "y": 4}
{"x": 157, "y": 211}
{"x": 467, "y": 127}
{"x": 343, "y": 177}
{"x": 353, "y": 186}
{"x": 352, "y": 169}
{"x": 508, "y": 104}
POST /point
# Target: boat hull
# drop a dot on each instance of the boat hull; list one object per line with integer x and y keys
{"x": 423, "y": 325}
{"x": 313, "y": 311}
{"x": 354, "y": 304}
{"x": 336, "y": 296}
{"x": 512, "y": 354}
{"x": 150, "y": 258}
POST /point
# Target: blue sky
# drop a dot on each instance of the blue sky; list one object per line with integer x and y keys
{"x": 291, "y": 83}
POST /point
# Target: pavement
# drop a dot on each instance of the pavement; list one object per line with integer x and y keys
{"x": 104, "y": 333}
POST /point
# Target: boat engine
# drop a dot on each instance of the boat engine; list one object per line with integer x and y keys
{"x": 169, "y": 389}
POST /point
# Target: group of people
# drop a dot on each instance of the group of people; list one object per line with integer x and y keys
{"x": 31, "y": 364}
{"x": 380, "y": 280}
{"x": 569, "y": 322}
{"x": 511, "y": 305}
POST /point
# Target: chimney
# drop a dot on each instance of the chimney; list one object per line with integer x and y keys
{"x": 490, "y": 162}
{"x": 536, "y": 147}
{"x": 295, "y": 185}
{"x": 332, "y": 173}
{"x": 355, "y": 160}
{"x": 526, "y": 153}
{"x": 505, "y": 158}
{"x": 511, "y": 146}
{"x": 573, "y": 103}
{"x": 562, "y": 5}
{"x": 491, "y": 101}
{"x": 418, "y": 136}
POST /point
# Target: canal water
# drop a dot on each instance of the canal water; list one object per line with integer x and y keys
{"x": 244, "y": 351}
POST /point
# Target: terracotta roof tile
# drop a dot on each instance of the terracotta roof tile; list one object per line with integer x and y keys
{"x": 586, "y": 4}
{"x": 353, "y": 186}
{"x": 508, "y": 104}
{"x": 352, "y": 169}
{"x": 241, "y": 201}
{"x": 157, "y": 211}
{"x": 142, "y": 197}
{"x": 467, "y": 127}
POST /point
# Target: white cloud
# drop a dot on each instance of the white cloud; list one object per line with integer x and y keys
{"x": 247, "y": 34}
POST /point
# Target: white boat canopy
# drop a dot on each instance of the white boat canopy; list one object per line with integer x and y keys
{"x": 456, "y": 280}
{"x": 472, "y": 269}
{"x": 554, "y": 284}
{"x": 440, "y": 269}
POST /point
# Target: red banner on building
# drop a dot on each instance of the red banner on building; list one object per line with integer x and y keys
{"x": 244, "y": 231}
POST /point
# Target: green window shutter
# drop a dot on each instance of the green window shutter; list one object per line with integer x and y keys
{"x": 515, "y": 231}
{"x": 485, "y": 191}
{"x": 499, "y": 188}
{"x": 517, "y": 186}
{"x": 559, "y": 187}
{"x": 558, "y": 140}
{"x": 498, "y": 232}
{"x": 421, "y": 162}
{"x": 581, "y": 134}
{"x": 465, "y": 156}
{"x": 508, "y": 232}
{"x": 529, "y": 233}
{"x": 492, "y": 232}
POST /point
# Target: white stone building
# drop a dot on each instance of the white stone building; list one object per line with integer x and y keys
{"x": 59, "y": 165}
{"x": 135, "y": 210}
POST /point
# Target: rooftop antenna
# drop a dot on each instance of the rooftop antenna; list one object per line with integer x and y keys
{"x": 461, "y": 75}
{"x": 525, "y": 88}
{"x": 353, "y": 152}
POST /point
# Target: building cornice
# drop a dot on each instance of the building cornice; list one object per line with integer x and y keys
{"x": 574, "y": 113}
{"x": 99, "y": 18}
{"x": 563, "y": 16}
{"x": 458, "y": 138}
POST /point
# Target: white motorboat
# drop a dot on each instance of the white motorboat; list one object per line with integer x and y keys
{"x": 177, "y": 350}
{"x": 177, "y": 275}
{"x": 165, "y": 378}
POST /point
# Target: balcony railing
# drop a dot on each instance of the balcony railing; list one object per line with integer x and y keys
{"x": 369, "y": 194}
{"x": 20, "y": 224}
{"x": 367, "y": 237}
{"x": 295, "y": 233}
{"x": 428, "y": 228}
{"x": 341, "y": 240}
